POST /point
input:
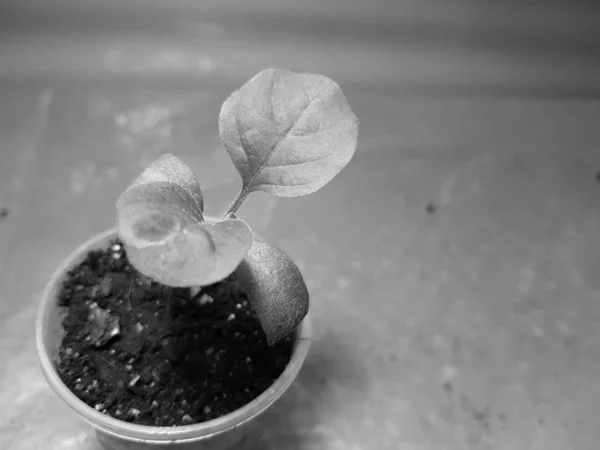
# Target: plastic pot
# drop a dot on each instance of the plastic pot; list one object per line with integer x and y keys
{"x": 237, "y": 430}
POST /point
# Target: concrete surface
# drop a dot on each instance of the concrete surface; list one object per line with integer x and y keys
{"x": 453, "y": 265}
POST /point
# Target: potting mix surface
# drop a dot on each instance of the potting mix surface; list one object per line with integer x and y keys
{"x": 150, "y": 354}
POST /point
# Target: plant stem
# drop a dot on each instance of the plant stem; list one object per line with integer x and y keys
{"x": 170, "y": 303}
{"x": 237, "y": 202}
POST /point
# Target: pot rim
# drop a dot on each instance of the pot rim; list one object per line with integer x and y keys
{"x": 146, "y": 433}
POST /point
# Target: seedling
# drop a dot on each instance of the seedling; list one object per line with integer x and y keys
{"x": 288, "y": 135}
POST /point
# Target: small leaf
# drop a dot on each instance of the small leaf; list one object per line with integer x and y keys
{"x": 166, "y": 197}
{"x": 197, "y": 256}
{"x": 160, "y": 221}
{"x": 275, "y": 288}
{"x": 170, "y": 169}
{"x": 288, "y": 134}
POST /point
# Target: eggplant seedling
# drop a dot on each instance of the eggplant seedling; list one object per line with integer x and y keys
{"x": 288, "y": 135}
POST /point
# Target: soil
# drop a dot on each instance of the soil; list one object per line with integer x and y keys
{"x": 154, "y": 355}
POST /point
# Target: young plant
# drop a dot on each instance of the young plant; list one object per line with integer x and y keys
{"x": 288, "y": 135}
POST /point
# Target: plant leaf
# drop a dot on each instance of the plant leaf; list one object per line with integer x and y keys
{"x": 288, "y": 134}
{"x": 196, "y": 256}
{"x": 160, "y": 221}
{"x": 275, "y": 288}
{"x": 170, "y": 169}
{"x": 165, "y": 198}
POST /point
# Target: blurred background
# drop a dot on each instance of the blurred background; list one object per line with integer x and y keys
{"x": 453, "y": 265}
{"x": 507, "y": 46}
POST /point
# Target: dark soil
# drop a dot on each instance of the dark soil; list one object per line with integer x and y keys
{"x": 150, "y": 354}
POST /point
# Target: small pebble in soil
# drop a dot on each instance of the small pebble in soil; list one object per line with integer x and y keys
{"x": 205, "y": 299}
{"x": 134, "y": 413}
{"x": 186, "y": 419}
{"x": 102, "y": 326}
{"x": 134, "y": 380}
{"x": 115, "y": 247}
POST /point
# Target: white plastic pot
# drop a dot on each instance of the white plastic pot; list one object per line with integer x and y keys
{"x": 238, "y": 430}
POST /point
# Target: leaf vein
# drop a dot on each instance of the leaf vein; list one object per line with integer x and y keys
{"x": 293, "y": 163}
{"x": 285, "y": 135}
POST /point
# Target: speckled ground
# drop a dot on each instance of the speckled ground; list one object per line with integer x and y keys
{"x": 454, "y": 264}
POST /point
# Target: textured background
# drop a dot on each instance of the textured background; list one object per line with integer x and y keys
{"x": 473, "y": 325}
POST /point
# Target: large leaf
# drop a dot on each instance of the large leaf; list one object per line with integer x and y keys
{"x": 275, "y": 288}
{"x": 160, "y": 221}
{"x": 288, "y": 134}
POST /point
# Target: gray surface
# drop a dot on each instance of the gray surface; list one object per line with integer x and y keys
{"x": 475, "y": 327}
